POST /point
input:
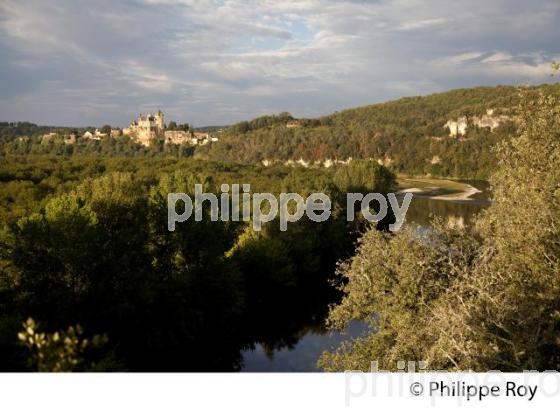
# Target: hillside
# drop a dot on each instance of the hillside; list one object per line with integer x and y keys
{"x": 408, "y": 134}
{"x": 448, "y": 134}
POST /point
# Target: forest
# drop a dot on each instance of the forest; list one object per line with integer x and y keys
{"x": 86, "y": 254}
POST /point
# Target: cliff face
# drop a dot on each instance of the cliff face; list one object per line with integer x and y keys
{"x": 488, "y": 120}
{"x": 458, "y": 127}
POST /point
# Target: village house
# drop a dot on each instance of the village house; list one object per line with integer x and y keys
{"x": 200, "y": 138}
{"x": 177, "y": 137}
{"x": 70, "y": 139}
{"x": 48, "y": 137}
{"x": 98, "y": 134}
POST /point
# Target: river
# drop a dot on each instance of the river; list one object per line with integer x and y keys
{"x": 307, "y": 344}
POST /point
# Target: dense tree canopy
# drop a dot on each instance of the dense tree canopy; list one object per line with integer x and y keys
{"x": 407, "y": 135}
{"x": 85, "y": 241}
{"x": 459, "y": 299}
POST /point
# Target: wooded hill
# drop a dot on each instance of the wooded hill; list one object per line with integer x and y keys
{"x": 408, "y": 134}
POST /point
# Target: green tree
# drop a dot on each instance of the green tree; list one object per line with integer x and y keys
{"x": 364, "y": 176}
{"x": 62, "y": 351}
{"x": 481, "y": 300}
{"x": 506, "y": 313}
{"x": 106, "y": 129}
{"x": 392, "y": 283}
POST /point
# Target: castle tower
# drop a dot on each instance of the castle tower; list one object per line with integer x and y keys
{"x": 160, "y": 124}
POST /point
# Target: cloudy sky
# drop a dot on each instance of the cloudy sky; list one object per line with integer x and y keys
{"x": 78, "y": 62}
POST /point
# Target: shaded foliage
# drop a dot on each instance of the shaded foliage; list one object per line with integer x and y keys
{"x": 85, "y": 240}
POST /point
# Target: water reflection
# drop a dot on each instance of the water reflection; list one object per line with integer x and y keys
{"x": 296, "y": 347}
{"x": 303, "y": 356}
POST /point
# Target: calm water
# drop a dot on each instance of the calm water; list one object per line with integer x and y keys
{"x": 309, "y": 342}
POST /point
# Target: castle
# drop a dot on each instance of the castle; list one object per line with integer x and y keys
{"x": 147, "y": 128}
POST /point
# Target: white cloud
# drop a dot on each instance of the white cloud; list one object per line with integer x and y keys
{"x": 219, "y": 61}
{"x": 497, "y": 57}
{"x": 421, "y": 24}
{"x": 464, "y": 57}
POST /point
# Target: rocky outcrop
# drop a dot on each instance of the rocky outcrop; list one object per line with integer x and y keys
{"x": 327, "y": 163}
{"x": 488, "y": 120}
{"x": 458, "y": 127}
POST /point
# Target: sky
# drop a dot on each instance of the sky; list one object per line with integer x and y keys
{"x": 216, "y": 62}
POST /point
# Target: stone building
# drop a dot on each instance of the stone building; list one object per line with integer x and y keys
{"x": 177, "y": 137}
{"x": 48, "y": 137}
{"x": 70, "y": 139}
{"x": 147, "y": 128}
{"x": 98, "y": 134}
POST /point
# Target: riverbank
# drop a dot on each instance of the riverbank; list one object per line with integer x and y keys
{"x": 439, "y": 189}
